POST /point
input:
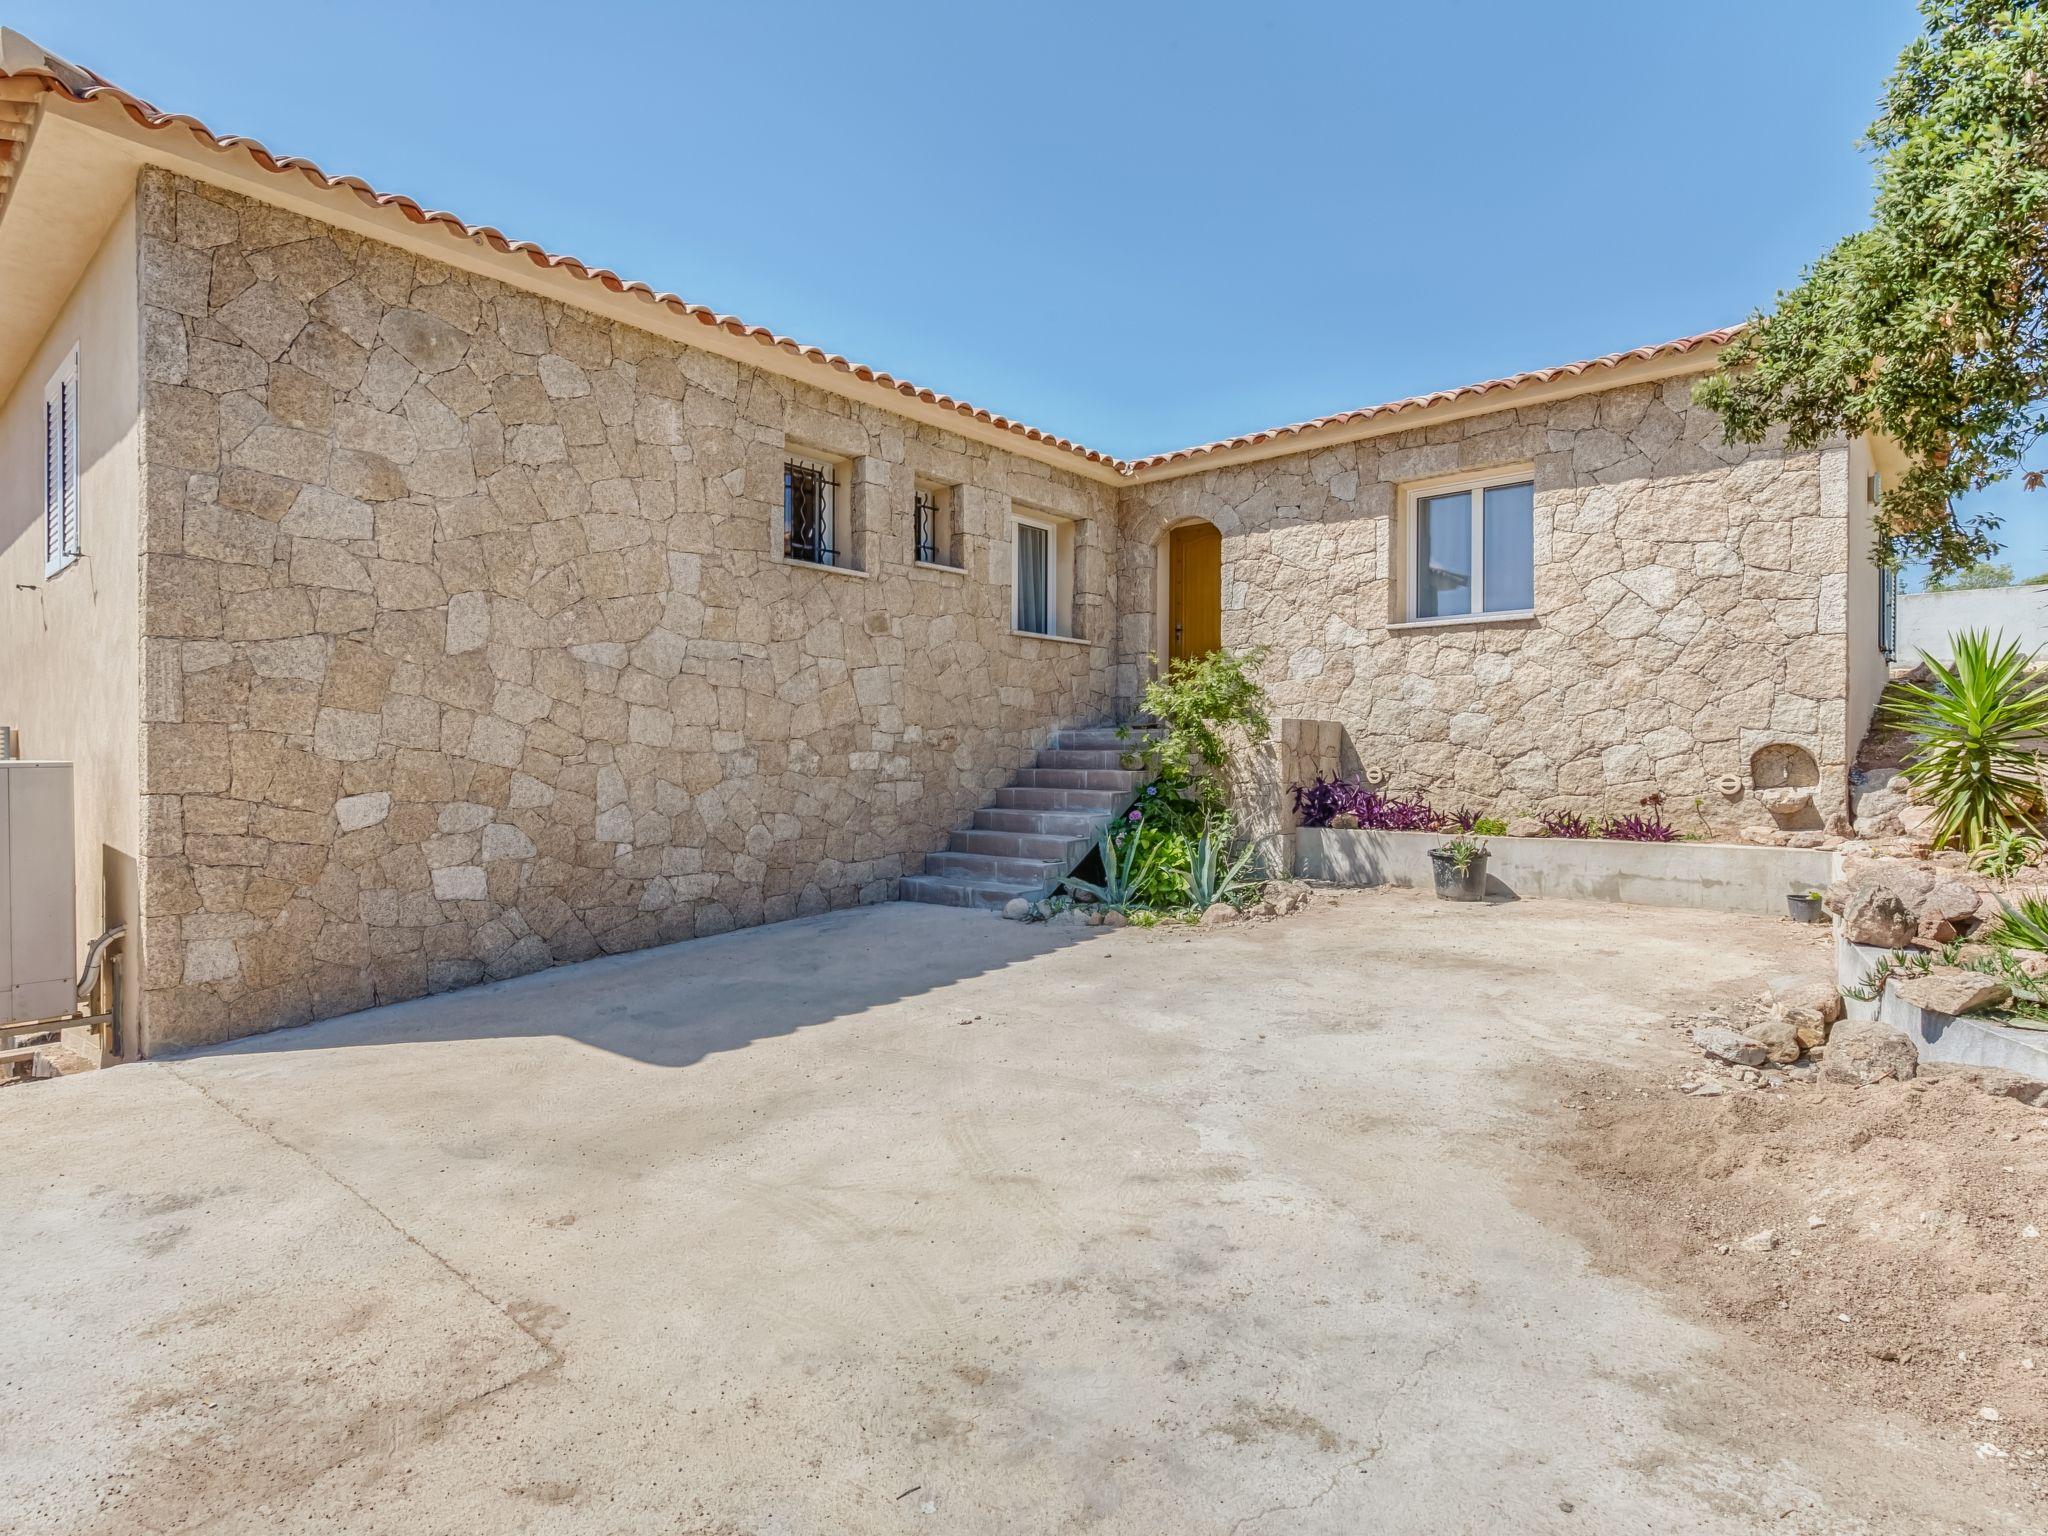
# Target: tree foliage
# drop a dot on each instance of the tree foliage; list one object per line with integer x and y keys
{"x": 1932, "y": 325}
{"x": 1984, "y": 574}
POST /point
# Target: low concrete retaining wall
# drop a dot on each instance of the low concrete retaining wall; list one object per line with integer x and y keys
{"x": 1709, "y": 877}
{"x": 1967, "y": 1042}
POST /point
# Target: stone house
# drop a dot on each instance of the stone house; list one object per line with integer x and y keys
{"x": 418, "y": 606}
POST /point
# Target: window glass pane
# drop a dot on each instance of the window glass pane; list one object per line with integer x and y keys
{"x": 1443, "y": 555}
{"x": 1034, "y": 579}
{"x": 1509, "y": 547}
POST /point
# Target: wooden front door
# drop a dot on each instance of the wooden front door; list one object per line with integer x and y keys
{"x": 1194, "y": 591}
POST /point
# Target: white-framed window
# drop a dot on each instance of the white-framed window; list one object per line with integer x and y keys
{"x": 935, "y": 524}
{"x": 813, "y": 495}
{"x": 1469, "y": 547}
{"x": 60, "y": 467}
{"x": 1044, "y": 549}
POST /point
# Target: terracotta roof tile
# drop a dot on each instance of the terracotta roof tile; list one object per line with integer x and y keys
{"x": 83, "y": 86}
{"x": 1442, "y": 397}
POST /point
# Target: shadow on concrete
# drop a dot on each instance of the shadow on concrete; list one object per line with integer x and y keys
{"x": 674, "y": 1005}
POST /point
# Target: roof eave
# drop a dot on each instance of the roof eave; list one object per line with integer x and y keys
{"x": 243, "y": 166}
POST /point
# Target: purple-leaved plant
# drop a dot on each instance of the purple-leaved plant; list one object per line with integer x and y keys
{"x": 1565, "y": 824}
{"x": 1633, "y": 828}
{"x": 1326, "y": 799}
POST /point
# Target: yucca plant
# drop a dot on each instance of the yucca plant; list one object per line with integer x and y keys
{"x": 1973, "y": 731}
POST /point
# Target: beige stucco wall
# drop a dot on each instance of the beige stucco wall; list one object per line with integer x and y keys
{"x": 68, "y": 643}
{"x": 1690, "y": 608}
{"x": 466, "y": 652}
{"x": 1867, "y": 662}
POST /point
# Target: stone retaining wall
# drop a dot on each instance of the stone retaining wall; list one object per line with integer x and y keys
{"x": 466, "y": 651}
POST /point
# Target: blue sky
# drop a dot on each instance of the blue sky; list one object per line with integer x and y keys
{"x": 1140, "y": 225}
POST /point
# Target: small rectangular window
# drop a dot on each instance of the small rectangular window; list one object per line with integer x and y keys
{"x": 810, "y": 511}
{"x": 60, "y": 468}
{"x": 1472, "y": 549}
{"x": 934, "y": 525}
{"x": 1037, "y": 577}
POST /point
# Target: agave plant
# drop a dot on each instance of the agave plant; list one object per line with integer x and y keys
{"x": 1974, "y": 732}
{"x": 1129, "y": 866}
{"x": 2022, "y": 925}
{"x": 1208, "y": 879}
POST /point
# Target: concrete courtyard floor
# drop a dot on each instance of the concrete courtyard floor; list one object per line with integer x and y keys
{"x": 910, "y": 1219}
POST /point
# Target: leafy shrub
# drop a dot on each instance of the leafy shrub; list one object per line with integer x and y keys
{"x": 1971, "y": 732}
{"x": 1165, "y": 805}
{"x": 1198, "y": 702}
{"x": 1565, "y": 824}
{"x": 1635, "y": 828}
{"x": 1489, "y": 826}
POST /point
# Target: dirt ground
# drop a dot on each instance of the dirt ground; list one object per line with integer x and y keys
{"x": 907, "y": 1219}
{"x": 1905, "y": 1264}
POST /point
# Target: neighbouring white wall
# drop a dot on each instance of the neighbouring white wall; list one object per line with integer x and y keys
{"x": 68, "y": 646}
{"x": 1927, "y": 620}
{"x": 1865, "y": 639}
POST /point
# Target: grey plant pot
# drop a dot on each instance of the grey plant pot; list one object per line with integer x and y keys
{"x": 1453, "y": 884}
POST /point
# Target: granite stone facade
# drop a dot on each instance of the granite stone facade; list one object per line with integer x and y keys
{"x": 1689, "y": 620}
{"x": 468, "y": 648}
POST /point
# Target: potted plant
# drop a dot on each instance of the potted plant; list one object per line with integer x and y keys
{"x": 1460, "y": 869}
{"x": 1804, "y": 906}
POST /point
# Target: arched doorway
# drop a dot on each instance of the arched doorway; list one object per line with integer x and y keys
{"x": 1194, "y": 590}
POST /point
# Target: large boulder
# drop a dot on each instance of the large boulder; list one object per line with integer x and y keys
{"x": 1952, "y": 990}
{"x": 1865, "y": 1051}
{"x": 1873, "y": 912}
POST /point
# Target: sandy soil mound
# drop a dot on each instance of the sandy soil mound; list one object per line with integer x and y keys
{"x": 1892, "y": 1240}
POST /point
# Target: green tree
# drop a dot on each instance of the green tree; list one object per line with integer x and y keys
{"x": 1972, "y": 578}
{"x": 1931, "y": 325}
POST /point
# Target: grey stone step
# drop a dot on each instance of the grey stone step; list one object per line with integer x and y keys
{"x": 963, "y": 891}
{"x": 1121, "y": 780}
{"x": 1100, "y": 738}
{"x": 1022, "y": 798}
{"x": 1066, "y": 852}
{"x": 988, "y": 866}
{"x": 1085, "y": 824}
{"x": 1075, "y": 757}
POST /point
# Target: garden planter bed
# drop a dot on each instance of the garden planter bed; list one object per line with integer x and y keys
{"x": 1711, "y": 877}
{"x": 1968, "y": 1041}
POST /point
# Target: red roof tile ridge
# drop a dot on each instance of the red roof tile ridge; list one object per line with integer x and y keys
{"x": 141, "y": 112}
{"x": 1677, "y": 347}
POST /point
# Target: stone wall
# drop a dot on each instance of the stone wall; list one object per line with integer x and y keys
{"x": 467, "y": 650}
{"x": 1689, "y": 609}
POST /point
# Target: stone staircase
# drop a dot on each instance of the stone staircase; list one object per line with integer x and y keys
{"x": 1038, "y": 829}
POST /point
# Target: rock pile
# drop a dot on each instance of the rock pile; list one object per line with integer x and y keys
{"x": 1795, "y": 1033}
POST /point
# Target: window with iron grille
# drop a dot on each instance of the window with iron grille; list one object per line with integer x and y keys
{"x": 928, "y": 526}
{"x": 810, "y": 511}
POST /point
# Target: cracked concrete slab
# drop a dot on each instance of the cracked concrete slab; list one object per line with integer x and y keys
{"x": 908, "y": 1218}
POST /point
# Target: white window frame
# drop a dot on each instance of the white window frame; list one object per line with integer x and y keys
{"x": 1477, "y": 485}
{"x": 62, "y": 542}
{"x": 1052, "y": 574}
